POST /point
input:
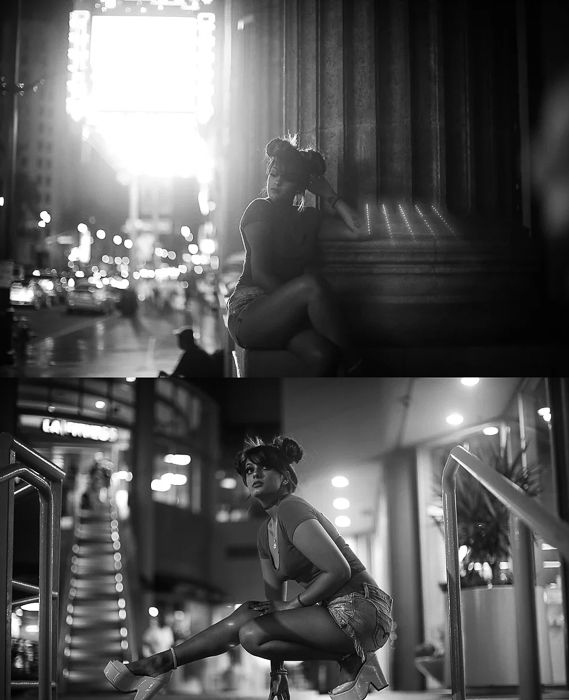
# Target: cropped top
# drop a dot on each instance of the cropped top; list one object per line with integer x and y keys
{"x": 293, "y": 565}
{"x": 290, "y": 241}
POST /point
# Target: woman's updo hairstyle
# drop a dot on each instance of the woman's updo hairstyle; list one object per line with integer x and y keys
{"x": 295, "y": 164}
{"x": 280, "y": 454}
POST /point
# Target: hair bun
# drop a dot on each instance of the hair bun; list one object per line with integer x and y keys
{"x": 314, "y": 161}
{"x": 290, "y": 448}
{"x": 275, "y": 146}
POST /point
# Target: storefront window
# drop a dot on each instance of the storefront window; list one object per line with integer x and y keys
{"x": 232, "y": 498}
{"x": 176, "y": 478}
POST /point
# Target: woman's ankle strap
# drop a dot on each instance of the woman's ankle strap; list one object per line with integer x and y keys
{"x": 174, "y": 658}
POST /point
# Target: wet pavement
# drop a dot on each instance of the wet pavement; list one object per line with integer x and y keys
{"x": 113, "y": 345}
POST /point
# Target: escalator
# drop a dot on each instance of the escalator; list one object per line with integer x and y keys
{"x": 96, "y": 624}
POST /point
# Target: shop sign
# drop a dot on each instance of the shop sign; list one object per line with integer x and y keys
{"x": 60, "y": 426}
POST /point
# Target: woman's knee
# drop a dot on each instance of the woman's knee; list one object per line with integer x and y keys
{"x": 250, "y": 636}
{"x": 310, "y": 285}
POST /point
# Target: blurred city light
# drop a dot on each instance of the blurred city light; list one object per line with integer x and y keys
{"x": 228, "y": 483}
{"x": 44, "y": 216}
{"x": 545, "y": 413}
{"x": 174, "y": 479}
{"x": 153, "y": 612}
{"x": 180, "y": 460}
{"x": 101, "y": 234}
{"x": 340, "y": 482}
{"x": 159, "y": 485}
{"x": 491, "y": 430}
{"x": 341, "y": 503}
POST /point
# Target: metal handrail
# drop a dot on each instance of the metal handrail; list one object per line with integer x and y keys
{"x": 46, "y": 479}
{"x": 529, "y": 511}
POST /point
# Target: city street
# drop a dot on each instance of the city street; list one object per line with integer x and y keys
{"x": 113, "y": 345}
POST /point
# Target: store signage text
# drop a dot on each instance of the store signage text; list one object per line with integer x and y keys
{"x": 59, "y": 426}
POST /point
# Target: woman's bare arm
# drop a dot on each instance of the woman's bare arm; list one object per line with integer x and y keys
{"x": 312, "y": 540}
{"x": 346, "y": 222}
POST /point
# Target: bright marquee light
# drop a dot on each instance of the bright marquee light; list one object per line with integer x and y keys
{"x": 148, "y": 88}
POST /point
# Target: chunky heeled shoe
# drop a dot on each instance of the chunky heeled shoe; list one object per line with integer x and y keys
{"x": 370, "y": 674}
{"x": 126, "y": 681}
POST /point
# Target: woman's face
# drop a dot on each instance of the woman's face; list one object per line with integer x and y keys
{"x": 262, "y": 481}
{"x": 279, "y": 189}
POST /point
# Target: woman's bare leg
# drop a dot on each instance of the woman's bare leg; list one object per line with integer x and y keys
{"x": 272, "y": 320}
{"x": 300, "y": 634}
{"x": 212, "y": 641}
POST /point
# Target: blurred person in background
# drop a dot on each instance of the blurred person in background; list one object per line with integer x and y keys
{"x": 196, "y": 362}
{"x": 279, "y": 301}
{"x": 341, "y": 614}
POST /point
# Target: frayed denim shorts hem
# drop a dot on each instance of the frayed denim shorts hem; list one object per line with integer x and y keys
{"x": 363, "y": 616}
{"x": 237, "y": 303}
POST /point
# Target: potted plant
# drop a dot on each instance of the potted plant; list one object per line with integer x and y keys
{"x": 487, "y": 594}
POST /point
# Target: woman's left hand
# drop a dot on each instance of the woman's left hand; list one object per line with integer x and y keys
{"x": 269, "y": 606}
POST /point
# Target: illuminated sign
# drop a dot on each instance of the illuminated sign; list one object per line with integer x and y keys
{"x": 60, "y": 426}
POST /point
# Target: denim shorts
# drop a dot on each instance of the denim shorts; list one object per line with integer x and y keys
{"x": 241, "y": 298}
{"x": 364, "y": 616}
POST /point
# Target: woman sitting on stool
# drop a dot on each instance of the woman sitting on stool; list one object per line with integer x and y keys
{"x": 340, "y": 615}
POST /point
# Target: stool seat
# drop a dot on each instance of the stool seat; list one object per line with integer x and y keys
{"x": 268, "y": 363}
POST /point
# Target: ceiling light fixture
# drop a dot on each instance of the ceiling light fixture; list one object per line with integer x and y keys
{"x": 469, "y": 381}
{"x": 340, "y": 482}
{"x": 454, "y": 419}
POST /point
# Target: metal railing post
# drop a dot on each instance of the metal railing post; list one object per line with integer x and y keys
{"x": 6, "y": 568}
{"x": 45, "y": 574}
{"x": 453, "y": 580}
{"x": 47, "y": 479}
{"x": 526, "y": 621}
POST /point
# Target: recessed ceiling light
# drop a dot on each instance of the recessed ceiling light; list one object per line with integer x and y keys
{"x": 340, "y": 482}
{"x": 470, "y": 381}
{"x": 342, "y": 521}
{"x": 490, "y": 430}
{"x": 100, "y": 404}
{"x": 455, "y": 419}
{"x": 341, "y": 503}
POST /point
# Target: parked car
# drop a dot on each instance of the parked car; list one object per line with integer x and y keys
{"x": 89, "y": 298}
{"x": 27, "y": 293}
